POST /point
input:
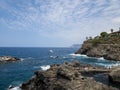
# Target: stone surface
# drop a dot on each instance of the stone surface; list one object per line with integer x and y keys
{"x": 8, "y": 59}
{"x": 68, "y": 76}
{"x": 114, "y": 76}
{"x": 99, "y": 46}
{"x": 108, "y": 51}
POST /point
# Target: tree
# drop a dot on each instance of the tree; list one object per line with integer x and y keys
{"x": 103, "y": 34}
{"x": 112, "y": 30}
{"x": 90, "y": 37}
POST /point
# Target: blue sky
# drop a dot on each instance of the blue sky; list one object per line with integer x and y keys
{"x": 55, "y": 23}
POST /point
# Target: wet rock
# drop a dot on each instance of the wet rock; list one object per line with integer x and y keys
{"x": 65, "y": 77}
{"x": 8, "y": 59}
{"x": 107, "y": 51}
{"x": 114, "y": 76}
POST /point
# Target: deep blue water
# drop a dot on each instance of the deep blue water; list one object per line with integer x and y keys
{"x": 15, "y": 73}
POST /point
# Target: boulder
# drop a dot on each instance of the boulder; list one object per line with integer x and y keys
{"x": 114, "y": 76}
{"x": 8, "y": 59}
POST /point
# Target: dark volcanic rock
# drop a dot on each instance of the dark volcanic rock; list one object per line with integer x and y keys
{"x": 67, "y": 76}
{"x": 8, "y": 59}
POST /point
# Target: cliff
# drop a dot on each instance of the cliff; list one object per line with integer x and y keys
{"x": 107, "y": 46}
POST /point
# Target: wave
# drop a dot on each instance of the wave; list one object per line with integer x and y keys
{"x": 26, "y": 58}
{"x": 22, "y": 59}
{"x": 64, "y": 57}
{"x": 81, "y": 55}
{"x": 108, "y": 65}
{"x": 85, "y": 56}
{"x": 14, "y": 88}
{"x": 36, "y": 67}
{"x": 51, "y": 51}
{"x": 45, "y": 67}
{"x": 101, "y": 58}
{"x": 54, "y": 57}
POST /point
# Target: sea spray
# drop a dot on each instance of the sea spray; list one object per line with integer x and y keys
{"x": 15, "y": 88}
{"x": 78, "y": 55}
{"x": 45, "y": 67}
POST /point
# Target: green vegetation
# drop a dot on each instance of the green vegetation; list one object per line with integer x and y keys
{"x": 96, "y": 42}
{"x": 103, "y": 34}
{"x": 105, "y": 38}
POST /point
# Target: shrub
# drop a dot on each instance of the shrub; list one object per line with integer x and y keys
{"x": 96, "y": 41}
{"x": 103, "y": 34}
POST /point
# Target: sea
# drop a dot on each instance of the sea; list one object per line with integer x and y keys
{"x": 39, "y": 58}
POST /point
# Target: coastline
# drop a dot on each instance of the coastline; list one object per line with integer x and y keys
{"x": 68, "y": 72}
{"x": 37, "y": 66}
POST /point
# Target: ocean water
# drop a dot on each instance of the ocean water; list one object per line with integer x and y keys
{"x": 32, "y": 59}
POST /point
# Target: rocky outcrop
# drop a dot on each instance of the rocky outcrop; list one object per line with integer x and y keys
{"x": 108, "y": 51}
{"x": 114, "y": 76}
{"x": 8, "y": 59}
{"x": 68, "y": 76}
{"x": 106, "y": 45}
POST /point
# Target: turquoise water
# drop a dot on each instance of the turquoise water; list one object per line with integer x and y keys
{"x": 15, "y": 73}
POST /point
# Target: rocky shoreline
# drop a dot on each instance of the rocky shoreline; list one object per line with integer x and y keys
{"x": 107, "y": 51}
{"x": 107, "y": 45}
{"x": 4, "y": 59}
{"x": 69, "y": 76}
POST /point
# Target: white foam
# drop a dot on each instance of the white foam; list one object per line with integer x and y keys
{"x": 53, "y": 57}
{"x": 108, "y": 65}
{"x": 81, "y": 55}
{"x": 100, "y": 59}
{"x": 15, "y": 88}
{"x": 51, "y": 51}
{"x": 45, "y": 67}
{"x": 22, "y": 59}
{"x": 64, "y": 57}
{"x": 117, "y": 64}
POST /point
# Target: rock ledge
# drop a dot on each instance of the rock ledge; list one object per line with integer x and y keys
{"x": 68, "y": 76}
{"x": 8, "y": 59}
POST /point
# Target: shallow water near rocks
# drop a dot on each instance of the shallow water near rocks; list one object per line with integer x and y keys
{"x": 33, "y": 59}
{"x": 103, "y": 78}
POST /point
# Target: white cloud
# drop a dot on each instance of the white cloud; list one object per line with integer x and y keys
{"x": 116, "y": 20}
{"x": 69, "y": 20}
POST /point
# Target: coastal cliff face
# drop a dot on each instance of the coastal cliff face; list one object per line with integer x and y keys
{"x": 108, "y": 51}
{"x": 107, "y": 47}
{"x": 68, "y": 76}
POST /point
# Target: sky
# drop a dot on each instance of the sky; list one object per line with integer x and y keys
{"x": 55, "y": 23}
